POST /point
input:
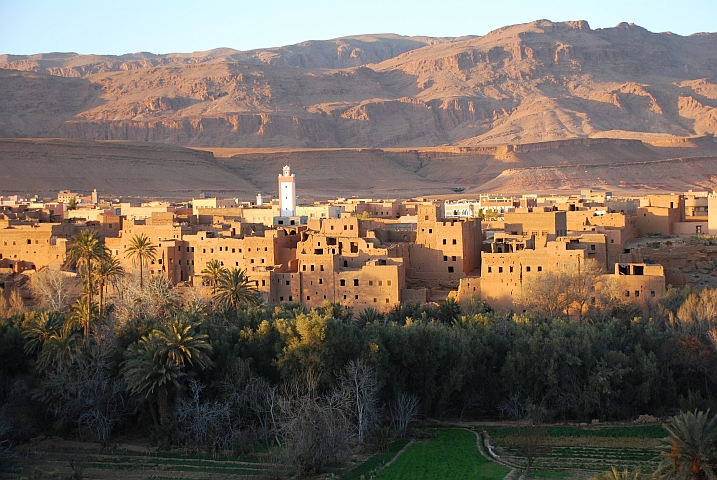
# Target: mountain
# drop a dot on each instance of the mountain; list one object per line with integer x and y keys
{"x": 535, "y": 82}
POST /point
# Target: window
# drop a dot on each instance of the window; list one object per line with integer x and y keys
{"x": 380, "y": 283}
{"x": 455, "y": 242}
{"x": 303, "y": 268}
{"x": 637, "y": 293}
{"x": 527, "y": 269}
{"x": 287, "y": 282}
{"x": 251, "y": 261}
{"x": 627, "y": 293}
{"x": 490, "y": 269}
{"x": 346, "y": 227}
{"x": 321, "y": 281}
{"x": 356, "y": 296}
{"x": 312, "y": 268}
{"x": 453, "y": 258}
{"x": 540, "y": 269}
{"x": 592, "y": 247}
{"x": 29, "y": 242}
{"x": 387, "y": 300}
{"x": 500, "y": 269}
{"x": 236, "y": 264}
{"x": 511, "y": 269}
{"x": 356, "y": 283}
{"x": 263, "y": 283}
{"x": 652, "y": 292}
{"x": 234, "y": 250}
{"x": 308, "y": 297}
{"x": 291, "y": 298}
{"x": 370, "y": 283}
{"x": 444, "y": 241}
{"x": 344, "y": 297}
{"x": 342, "y": 283}
{"x": 375, "y": 300}
{"x": 321, "y": 268}
{"x": 430, "y": 230}
{"x": 388, "y": 283}
{"x": 281, "y": 299}
{"x": 445, "y": 258}
{"x": 450, "y": 269}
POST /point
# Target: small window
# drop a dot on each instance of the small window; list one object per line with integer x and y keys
{"x": 321, "y": 281}
{"x": 637, "y": 293}
{"x": 263, "y": 283}
{"x": 308, "y": 297}
{"x": 380, "y": 283}
{"x": 540, "y": 269}
{"x": 490, "y": 269}
{"x": 303, "y": 268}
{"x": 444, "y": 241}
{"x": 375, "y": 300}
{"x": 430, "y": 230}
{"x": 500, "y": 269}
{"x": 312, "y": 268}
{"x": 450, "y": 269}
{"x": 321, "y": 268}
{"x": 627, "y": 293}
{"x": 527, "y": 269}
{"x": 356, "y": 296}
{"x": 356, "y": 282}
{"x": 652, "y": 292}
{"x": 592, "y": 247}
{"x": 342, "y": 283}
{"x": 455, "y": 242}
{"x": 281, "y": 299}
{"x": 445, "y": 258}
{"x": 511, "y": 269}
{"x": 234, "y": 250}
{"x": 453, "y": 258}
{"x": 287, "y": 282}
{"x": 370, "y": 283}
{"x": 291, "y": 298}
{"x": 388, "y": 283}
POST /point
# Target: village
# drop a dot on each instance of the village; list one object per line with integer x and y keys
{"x": 364, "y": 253}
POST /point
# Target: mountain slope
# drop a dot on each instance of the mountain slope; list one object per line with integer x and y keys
{"x": 527, "y": 83}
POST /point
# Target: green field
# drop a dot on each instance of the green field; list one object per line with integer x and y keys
{"x": 375, "y": 462}
{"x": 451, "y": 455}
{"x": 586, "y": 449}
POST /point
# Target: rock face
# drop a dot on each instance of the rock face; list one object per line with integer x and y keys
{"x": 528, "y": 83}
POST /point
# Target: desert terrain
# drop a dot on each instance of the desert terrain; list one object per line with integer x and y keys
{"x": 537, "y": 107}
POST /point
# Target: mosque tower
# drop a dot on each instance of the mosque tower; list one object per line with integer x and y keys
{"x": 287, "y": 193}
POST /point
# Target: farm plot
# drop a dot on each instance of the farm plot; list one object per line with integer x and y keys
{"x": 585, "y": 449}
{"x": 451, "y": 455}
{"x": 126, "y": 465}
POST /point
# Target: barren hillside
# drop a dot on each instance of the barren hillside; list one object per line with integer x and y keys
{"x": 155, "y": 170}
{"x": 527, "y": 83}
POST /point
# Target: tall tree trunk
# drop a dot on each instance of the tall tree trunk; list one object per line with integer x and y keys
{"x": 141, "y": 280}
{"x": 162, "y": 404}
{"x": 89, "y": 301}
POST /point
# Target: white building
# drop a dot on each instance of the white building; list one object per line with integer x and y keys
{"x": 287, "y": 193}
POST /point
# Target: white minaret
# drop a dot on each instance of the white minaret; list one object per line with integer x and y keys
{"x": 259, "y": 200}
{"x": 287, "y": 193}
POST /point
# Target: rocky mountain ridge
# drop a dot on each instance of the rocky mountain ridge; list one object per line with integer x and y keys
{"x": 529, "y": 83}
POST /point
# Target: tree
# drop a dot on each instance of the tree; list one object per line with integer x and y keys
{"x": 51, "y": 286}
{"x": 158, "y": 361}
{"x": 212, "y": 273}
{"x": 235, "y": 290}
{"x": 360, "y": 384}
{"x": 85, "y": 250}
{"x": 404, "y": 409}
{"x": 690, "y": 449}
{"x": 38, "y": 328}
{"x": 141, "y": 250}
{"x": 615, "y": 474}
{"x": 108, "y": 271}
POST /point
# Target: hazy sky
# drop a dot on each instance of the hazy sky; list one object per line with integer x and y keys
{"x": 160, "y": 26}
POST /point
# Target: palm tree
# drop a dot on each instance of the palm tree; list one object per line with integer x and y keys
{"x": 180, "y": 343}
{"x": 145, "y": 372}
{"x": 158, "y": 360}
{"x": 85, "y": 250}
{"x": 211, "y": 274}
{"x": 141, "y": 251}
{"x": 615, "y": 474}
{"x": 107, "y": 271}
{"x": 234, "y": 289}
{"x": 38, "y": 328}
{"x": 60, "y": 350}
{"x": 690, "y": 450}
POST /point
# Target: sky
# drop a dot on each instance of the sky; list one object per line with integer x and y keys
{"x": 161, "y": 26}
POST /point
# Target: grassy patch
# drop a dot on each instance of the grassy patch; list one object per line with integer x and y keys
{"x": 451, "y": 455}
{"x": 637, "y": 431}
{"x": 375, "y": 462}
{"x": 549, "y": 474}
